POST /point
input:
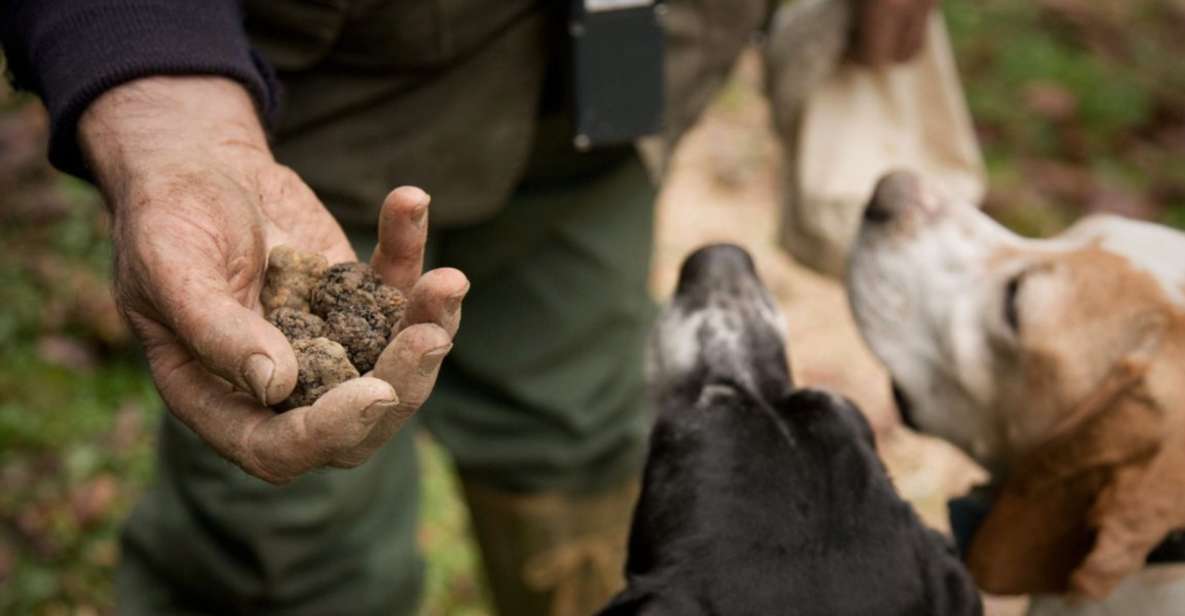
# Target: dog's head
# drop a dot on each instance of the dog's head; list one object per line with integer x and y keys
{"x": 760, "y": 498}
{"x": 1055, "y": 363}
{"x": 722, "y": 328}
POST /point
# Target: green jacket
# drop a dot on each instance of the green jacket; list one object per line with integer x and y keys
{"x": 454, "y": 96}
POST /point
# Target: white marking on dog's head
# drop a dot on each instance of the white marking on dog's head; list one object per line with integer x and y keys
{"x": 722, "y": 326}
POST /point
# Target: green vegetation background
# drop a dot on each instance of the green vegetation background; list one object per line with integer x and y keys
{"x": 1080, "y": 107}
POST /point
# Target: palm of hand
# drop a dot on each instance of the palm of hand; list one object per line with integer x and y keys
{"x": 189, "y": 277}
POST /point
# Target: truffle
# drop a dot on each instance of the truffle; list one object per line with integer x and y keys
{"x": 391, "y": 303}
{"x": 364, "y": 333}
{"x": 338, "y": 318}
{"x": 355, "y": 305}
{"x": 291, "y": 275}
{"x": 295, "y": 324}
{"x": 323, "y": 364}
{"x": 344, "y": 287}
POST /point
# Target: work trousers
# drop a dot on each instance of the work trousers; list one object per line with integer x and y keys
{"x": 542, "y": 393}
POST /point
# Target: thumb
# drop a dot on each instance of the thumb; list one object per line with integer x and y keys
{"x": 237, "y": 344}
{"x": 230, "y": 339}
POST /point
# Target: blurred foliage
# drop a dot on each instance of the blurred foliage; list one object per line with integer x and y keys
{"x": 73, "y": 402}
{"x": 1079, "y": 104}
{"x": 453, "y": 586}
{"x": 1080, "y": 107}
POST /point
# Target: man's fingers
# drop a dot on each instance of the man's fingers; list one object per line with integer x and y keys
{"x": 292, "y": 443}
{"x": 184, "y": 285}
{"x": 403, "y": 229}
{"x": 213, "y": 408}
{"x": 411, "y": 364}
{"x": 436, "y": 298}
{"x": 276, "y": 447}
{"x": 236, "y": 343}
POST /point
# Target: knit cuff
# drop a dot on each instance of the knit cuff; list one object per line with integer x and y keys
{"x": 71, "y": 52}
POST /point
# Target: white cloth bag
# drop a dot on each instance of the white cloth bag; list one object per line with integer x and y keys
{"x": 859, "y": 122}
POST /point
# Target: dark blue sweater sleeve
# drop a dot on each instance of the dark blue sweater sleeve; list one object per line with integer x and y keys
{"x": 70, "y": 51}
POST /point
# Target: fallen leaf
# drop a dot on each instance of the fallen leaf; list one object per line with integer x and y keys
{"x": 1064, "y": 181}
{"x": 67, "y": 352}
{"x": 92, "y": 501}
{"x": 1112, "y": 200}
{"x": 128, "y": 427}
{"x": 1050, "y": 100}
{"x": 6, "y": 561}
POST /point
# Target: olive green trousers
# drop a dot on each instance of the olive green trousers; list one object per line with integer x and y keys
{"x": 542, "y": 394}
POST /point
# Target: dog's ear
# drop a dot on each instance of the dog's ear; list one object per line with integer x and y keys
{"x": 1041, "y": 525}
{"x": 1143, "y": 502}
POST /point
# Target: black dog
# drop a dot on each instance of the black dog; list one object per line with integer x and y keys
{"x": 759, "y": 498}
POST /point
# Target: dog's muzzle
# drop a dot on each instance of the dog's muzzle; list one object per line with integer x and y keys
{"x": 721, "y": 326}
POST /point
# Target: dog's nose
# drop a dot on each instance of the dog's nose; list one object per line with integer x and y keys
{"x": 715, "y": 263}
{"x": 895, "y": 192}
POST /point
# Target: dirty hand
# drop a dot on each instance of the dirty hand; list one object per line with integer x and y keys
{"x": 197, "y": 203}
{"x": 889, "y": 31}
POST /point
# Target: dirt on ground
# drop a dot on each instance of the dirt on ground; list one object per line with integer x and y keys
{"x": 724, "y": 187}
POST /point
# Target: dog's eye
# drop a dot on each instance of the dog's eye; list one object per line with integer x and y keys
{"x": 1011, "y": 291}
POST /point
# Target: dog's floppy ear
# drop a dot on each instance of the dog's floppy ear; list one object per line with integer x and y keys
{"x": 1041, "y": 526}
{"x": 1144, "y": 502}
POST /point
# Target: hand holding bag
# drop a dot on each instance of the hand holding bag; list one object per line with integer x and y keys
{"x": 843, "y": 125}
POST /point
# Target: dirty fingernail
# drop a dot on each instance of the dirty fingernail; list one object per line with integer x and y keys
{"x": 431, "y": 360}
{"x": 453, "y": 303}
{"x": 378, "y": 409}
{"x": 420, "y": 214}
{"x": 258, "y": 371}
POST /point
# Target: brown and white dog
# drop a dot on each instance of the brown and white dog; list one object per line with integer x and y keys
{"x": 1059, "y": 365}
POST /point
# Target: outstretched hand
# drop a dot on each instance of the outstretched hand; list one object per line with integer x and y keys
{"x": 198, "y": 202}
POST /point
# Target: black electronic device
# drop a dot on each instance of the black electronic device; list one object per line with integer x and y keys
{"x": 617, "y": 76}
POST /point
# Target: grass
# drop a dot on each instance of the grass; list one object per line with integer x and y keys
{"x": 1080, "y": 107}
{"x": 72, "y": 461}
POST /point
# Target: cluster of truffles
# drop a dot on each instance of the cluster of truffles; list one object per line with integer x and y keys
{"x": 337, "y": 318}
